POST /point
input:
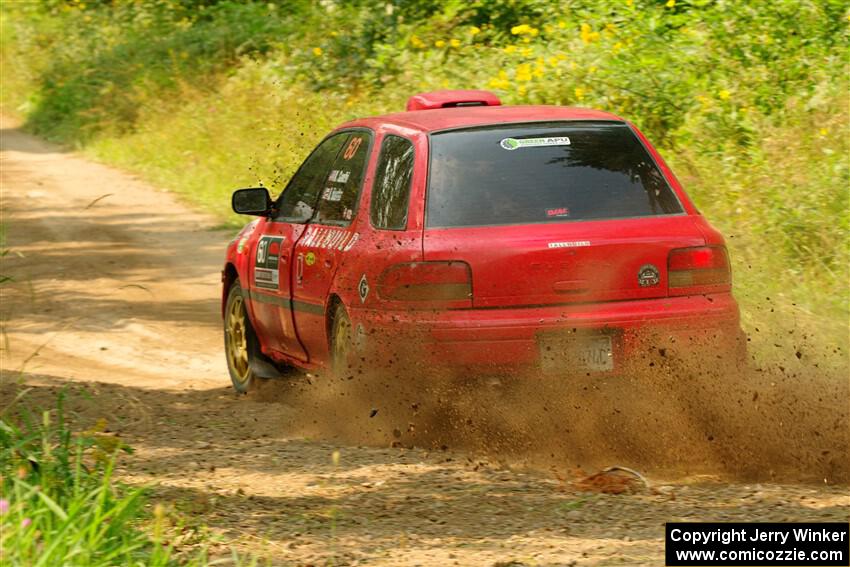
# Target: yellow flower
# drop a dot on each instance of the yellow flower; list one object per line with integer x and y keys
{"x": 724, "y": 94}
{"x": 562, "y": 24}
{"x": 824, "y": 131}
{"x": 500, "y": 82}
{"x": 630, "y": 3}
{"x": 522, "y": 90}
{"x": 317, "y": 51}
{"x": 539, "y": 71}
{"x": 526, "y": 52}
{"x": 416, "y": 42}
{"x": 510, "y": 49}
{"x": 474, "y": 30}
{"x": 609, "y": 27}
{"x": 454, "y": 42}
{"x": 553, "y": 61}
{"x": 617, "y": 46}
{"x": 670, "y": 3}
{"x": 588, "y": 36}
{"x": 523, "y": 72}
{"x": 593, "y": 69}
{"x": 440, "y": 43}
{"x": 521, "y": 29}
{"x": 579, "y": 92}
{"x": 560, "y": 56}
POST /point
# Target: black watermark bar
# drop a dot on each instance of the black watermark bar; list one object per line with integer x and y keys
{"x": 764, "y": 544}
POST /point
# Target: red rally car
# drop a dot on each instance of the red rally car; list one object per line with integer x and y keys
{"x": 475, "y": 235}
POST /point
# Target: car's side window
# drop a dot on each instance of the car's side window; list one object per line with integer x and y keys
{"x": 298, "y": 201}
{"x": 391, "y": 189}
{"x": 341, "y": 187}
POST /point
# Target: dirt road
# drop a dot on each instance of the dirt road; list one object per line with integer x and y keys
{"x": 115, "y": 299}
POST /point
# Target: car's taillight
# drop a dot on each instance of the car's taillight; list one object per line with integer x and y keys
{"x": 700, "y": 266}
{"x": 427, "y": 281}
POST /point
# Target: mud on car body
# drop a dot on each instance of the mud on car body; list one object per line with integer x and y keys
{"x": 470, "y": 234}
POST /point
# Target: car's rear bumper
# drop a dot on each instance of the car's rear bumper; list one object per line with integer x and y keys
{"x": 512, "y": 336}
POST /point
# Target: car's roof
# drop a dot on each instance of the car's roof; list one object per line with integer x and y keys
{"x": 433, "y": 120}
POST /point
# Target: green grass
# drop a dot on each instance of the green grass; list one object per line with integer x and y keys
{"x": 747, "y": 101}
{"x": 60, "y": 504}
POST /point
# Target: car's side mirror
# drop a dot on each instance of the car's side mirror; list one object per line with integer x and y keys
{"x": 252, "y": 201}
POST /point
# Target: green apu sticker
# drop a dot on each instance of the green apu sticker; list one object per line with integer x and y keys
{"x": 513, "y": 143}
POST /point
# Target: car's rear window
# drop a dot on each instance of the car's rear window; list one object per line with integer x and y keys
{"x": 543, "y": 172}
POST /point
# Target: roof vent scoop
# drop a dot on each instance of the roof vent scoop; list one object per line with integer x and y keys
{"x": 451, "y": 99}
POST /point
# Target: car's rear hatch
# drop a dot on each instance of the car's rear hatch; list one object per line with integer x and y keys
{"x": 565, "y": 263}
{"x": 553, "y": 213}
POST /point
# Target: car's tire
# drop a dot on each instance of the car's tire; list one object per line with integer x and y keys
{"x": 342, "y": 343}
{"x": 241, "y": 346}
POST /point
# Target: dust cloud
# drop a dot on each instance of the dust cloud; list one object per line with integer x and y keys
{"x": 784, "y": 420}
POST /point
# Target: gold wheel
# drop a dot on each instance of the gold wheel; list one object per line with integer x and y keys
{"x": 236, "y": 339}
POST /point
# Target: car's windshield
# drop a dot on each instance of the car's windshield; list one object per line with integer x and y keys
{"x": 543, "y": 172}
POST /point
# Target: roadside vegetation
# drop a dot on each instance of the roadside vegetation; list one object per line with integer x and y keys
{"x": 60, "y": 505}
{"x": 748, "y": 101}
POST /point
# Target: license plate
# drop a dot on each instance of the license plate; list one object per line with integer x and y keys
{"x": 589, "y": 353}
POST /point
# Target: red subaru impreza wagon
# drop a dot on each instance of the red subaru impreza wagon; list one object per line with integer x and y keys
{"x": 475, "y": 235}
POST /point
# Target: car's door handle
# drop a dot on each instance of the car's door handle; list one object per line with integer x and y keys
{"x": 299, "y": 269}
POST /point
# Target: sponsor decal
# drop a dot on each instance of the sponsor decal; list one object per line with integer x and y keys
{"x": 363, "y": 289}
{"x": 332, "y": 194}
{"x": 266, "y": 263}
{"x": 351, "y": 242}
{"x": 559, "y": 212}
{"x": 514, "y": 143}
{"x": 339, "y": 176}
{"x": 352, "y": 147}
{"x": 648, "y": 275}
{"x": 335, "y": 238}
{"x": 310, "y": 259}
{"x": 241, "y": 246}
{"x": 329, "y": 239}
{"x": 572, "y": 244}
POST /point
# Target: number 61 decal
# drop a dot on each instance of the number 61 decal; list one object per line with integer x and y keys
{"x": 352, "y": 148}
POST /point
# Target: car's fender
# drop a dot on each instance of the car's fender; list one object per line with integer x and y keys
{"x": 237, "y": 262}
